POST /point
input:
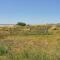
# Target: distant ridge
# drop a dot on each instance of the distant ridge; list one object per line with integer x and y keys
{"x": 7, "y": 24}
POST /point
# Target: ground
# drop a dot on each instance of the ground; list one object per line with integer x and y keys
{"x": 19, "y": 43}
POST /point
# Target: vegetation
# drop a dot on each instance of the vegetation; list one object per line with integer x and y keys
{"x": 21, "y": 24}
{"x": 30, "y": 42}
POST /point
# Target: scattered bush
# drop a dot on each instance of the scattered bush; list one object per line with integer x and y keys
{"x": 21, "y": 24}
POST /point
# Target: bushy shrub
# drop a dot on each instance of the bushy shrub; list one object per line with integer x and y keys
{"x": 21, "y": 24}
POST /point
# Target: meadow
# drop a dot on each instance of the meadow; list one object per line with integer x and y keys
{"x": 40, "y": 42}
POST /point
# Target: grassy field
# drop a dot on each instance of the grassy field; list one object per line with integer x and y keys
{"x": 30, "y": 43}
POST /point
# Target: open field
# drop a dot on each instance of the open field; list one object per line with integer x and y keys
{"x": 30, "y": 43}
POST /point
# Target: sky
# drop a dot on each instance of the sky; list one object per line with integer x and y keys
{"x": 29, "y": 11}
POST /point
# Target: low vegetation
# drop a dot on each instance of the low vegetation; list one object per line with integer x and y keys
{"x": 40, "y": 42}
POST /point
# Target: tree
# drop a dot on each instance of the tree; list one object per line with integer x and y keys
{"x": 21, "y": 24}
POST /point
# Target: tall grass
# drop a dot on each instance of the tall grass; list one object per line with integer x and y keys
{"x": 18, "y": 43}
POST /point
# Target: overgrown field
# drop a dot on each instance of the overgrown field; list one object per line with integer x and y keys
{"x": 30, "y": 43}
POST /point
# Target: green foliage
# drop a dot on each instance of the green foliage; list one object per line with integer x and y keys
{"x": 21, "y": 24}
{"x": 3, "y": 50}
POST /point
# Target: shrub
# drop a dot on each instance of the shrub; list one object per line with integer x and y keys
{"x": 3, "y": 50}
{"x": 21, "y": 24}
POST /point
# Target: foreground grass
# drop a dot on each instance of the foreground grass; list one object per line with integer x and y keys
{"x": 30, "y": 45}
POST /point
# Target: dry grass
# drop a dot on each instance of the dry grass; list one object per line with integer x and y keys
{"x": 29, "y": 45}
